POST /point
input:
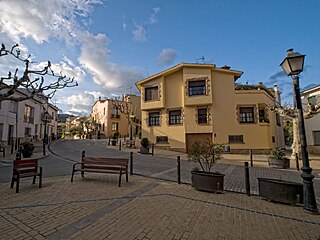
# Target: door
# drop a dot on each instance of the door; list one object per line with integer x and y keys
{"x": 197, "y": 137}
{"x": 10, "y": 134}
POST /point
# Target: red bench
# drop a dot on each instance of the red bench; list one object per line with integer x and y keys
{"x": 102, "y": 165}
{"x": 25, "y": 168}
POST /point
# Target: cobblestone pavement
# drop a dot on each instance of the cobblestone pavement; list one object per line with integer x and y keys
{"x": 143, "y": 208}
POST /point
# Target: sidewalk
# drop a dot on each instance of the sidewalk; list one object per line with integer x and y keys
{"x": 143, "y": 208}
{"x": 228, "y": 158}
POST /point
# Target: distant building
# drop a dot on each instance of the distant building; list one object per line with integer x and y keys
{"x": 110, "y": 116}
{"x": 28, "y": 120}
{"x": 311, "y": 98}
{"x": 201, "y": 102}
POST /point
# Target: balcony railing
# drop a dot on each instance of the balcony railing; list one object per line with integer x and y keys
{"x": 113, "y": 115}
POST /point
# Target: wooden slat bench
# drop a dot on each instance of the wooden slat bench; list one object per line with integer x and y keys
{"x": 25, "y": 168}
{"x": 102, "y": 165}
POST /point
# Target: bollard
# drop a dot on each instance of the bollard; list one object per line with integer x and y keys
{"x": 12, "y": 145}
{"x": 247, "y": 178}
{"x": 44, "y": 147}
{"x": 83, "y": 154}
{"x": 119, "y": 145}
{"x": 131, "y": 163}
{"x": 152, "y": 149}
{"x": 297, "y": 161}
{"x": 251, "y": 158}
{"x": 178, "y": 170}
{"x": 109, "y": 142}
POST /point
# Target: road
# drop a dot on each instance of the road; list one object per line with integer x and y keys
{"x": 64, "y": 153}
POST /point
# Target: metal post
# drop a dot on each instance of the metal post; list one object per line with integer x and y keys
{"x": 247, "y": 178}
{"x": 44, "y": 146}
{"x": 18, "y": 154}
{"x": 83, "y": 154}
{"x": 251, "y": 158}
{"x": 131, "y": 163}
{"x": 152, "y": 149}
{"x": 309, "y": 199}
{"x": 178, "y": 170}
{"x": 119, "y": 145}
{"x": 109, "y": 141}
{"x": 297, "y": 161}
{"x": 12, "y": 145}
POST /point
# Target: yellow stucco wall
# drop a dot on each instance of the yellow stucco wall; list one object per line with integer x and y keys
{"x": 221, "y": 100}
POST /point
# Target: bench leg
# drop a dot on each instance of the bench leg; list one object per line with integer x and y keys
{"x": 120, "y": 178}
{"x": 127, "y": 176}
{"x": 18, "y": 183}
{"x": 40, "y": 178}
{"x": 12, "y": 182}
{"x": 34, "y": 180}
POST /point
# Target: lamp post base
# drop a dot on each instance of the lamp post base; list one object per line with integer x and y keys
{"x": 309, "y": 202}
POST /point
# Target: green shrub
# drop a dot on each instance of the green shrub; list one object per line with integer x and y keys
{"x": 144, "y": 142}
{"x": 28, "y": 146}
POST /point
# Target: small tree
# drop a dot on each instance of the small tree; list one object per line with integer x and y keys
{"x": 205, "y": 153}
{"x": 31, "y": 80}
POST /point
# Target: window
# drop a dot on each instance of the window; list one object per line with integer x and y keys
{"x": 235, "y": 138}
{"x": 154, "y": 118}
{"x": 115, "y": 112}
{"x": 246, "y": 115}
{"x": 316, "y": 138}
{"x": 175, "y": 117}
{"x": 115, "y": 126}
{"x": 263, "y": 115}
{"x": 28, "y": 114}
{"x": 151, "y": 93}
{"x": 312, "y": 100}
{"x": 13, "y": 107}
{"x": 27, "y": 132}
{"x": 202, "y": 116}
{"x": 161, "y": 139}
{"x": 104, "y": 111}
{"x": 197, "y": 87}
{"x": 103, "y": 127}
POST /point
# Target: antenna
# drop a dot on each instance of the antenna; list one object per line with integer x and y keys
{"x": 202, "y": 59}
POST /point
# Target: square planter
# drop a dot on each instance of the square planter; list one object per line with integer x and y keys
{"x": 281, "y": 191}
{"x": 207, "y": 181}
{"x": 279, "y": 163}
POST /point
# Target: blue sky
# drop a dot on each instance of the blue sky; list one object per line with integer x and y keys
{"x": 109, "y": 45}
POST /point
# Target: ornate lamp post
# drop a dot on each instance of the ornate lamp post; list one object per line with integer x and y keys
{"x": 46, "y": 118}
{"x": 293, "y": 66}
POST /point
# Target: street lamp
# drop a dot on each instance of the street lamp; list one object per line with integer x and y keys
{"x": 293, "y": 66}
{"x": 46, "y": 119}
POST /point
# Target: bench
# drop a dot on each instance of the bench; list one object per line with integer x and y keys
{"x": 26, "y": 168}
{"x": 3, "y": 150}
{"x": 102, "y": 165}
{"x": 129, "y": 143}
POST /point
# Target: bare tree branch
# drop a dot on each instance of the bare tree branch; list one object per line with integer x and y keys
{"x": 36, "y": 85}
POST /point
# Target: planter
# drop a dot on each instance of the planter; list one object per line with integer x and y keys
{"x": 279, "y": 163}
{"x": 207, "y": 181}
{"x": 280, "y": 190}
{"x": 113, "y": 142}
{"x": 26, "y": 153}
{"x": 144, "y": 150}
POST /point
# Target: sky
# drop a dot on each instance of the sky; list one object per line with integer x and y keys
{"x": 109, "y": 45}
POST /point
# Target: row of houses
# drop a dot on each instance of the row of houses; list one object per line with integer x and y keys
{"x": 27, "y": 120}
{"x": 201, "y": 102}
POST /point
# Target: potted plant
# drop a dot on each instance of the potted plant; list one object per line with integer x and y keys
{"x": 144, "y": 149}
{"x": 206, "y": 153}
{"x": 27, "y": 149}
{"x": 114, "y": 139}
{"x": 278, "y": 158}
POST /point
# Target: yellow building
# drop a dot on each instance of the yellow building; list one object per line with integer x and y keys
{"x": 199, "y": 102}
{"x": 112, "y": 115}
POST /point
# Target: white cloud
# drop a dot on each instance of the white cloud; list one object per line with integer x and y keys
{"x": 39, "y": 20}
{"x": 166, "y": 57}
{"x": 139, "y": 33}
{"x": 94, "y": 58}
{"x": 153, "y": 17}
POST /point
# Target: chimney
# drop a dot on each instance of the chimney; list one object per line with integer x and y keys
{"x": 99, "y": 98}
{"x": 226, "y": 67}
{"x": 276, "y": 94}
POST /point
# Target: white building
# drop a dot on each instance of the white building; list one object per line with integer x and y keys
{"x": 27, "y": 120}
{"x": 311, "y": 98}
